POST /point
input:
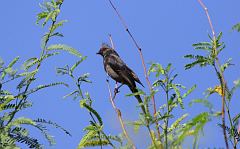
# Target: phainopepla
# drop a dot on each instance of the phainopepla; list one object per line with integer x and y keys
{"x": 119, "y": 71}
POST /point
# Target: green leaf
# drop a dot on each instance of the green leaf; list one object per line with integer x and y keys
{"x": 226, "y": 65}
{"x": 77, "y": 63}
{"x": 156, "y": 67}
{"x": 50, "y": 55}
{"x": 58, "y": 2}
{"x": 13, "y": 62}
{"x": 205, "y": 102}
{"x": 86, "y": 137}
{"x": 190, "y": 56}
{"x": 6, "y": 99}
{"x": 28, "y": 74}
{"x": 177, "y": 122}
{"x": 199, "y": 60}
{"x": 203, "y": 46}
{"x": 29, "y": 63}
{"x": 57, "y": 34}
{"x": 196, "y": 124}
{"x": 90, "y": 109}
{"x": 220, "y": 49}
{"x": 168, "y": 67}
{"x": 75, "y": 93}
{"x": 49, "y": 16}
{"x": 165, "y": 116}
{"x": 236, "y": 27}
{"x": 136, "y": 125}
{"x": 44, "y": 131}
{"x": 58, "y": 24}
{"x": 45, "y": 86}
{"x": 236, "y": 85}
{"x": 179, "y": 97}
{"x": 63, "y": 71}
{"x": 217, "y": 114}
{"x": 189, "y": 91}
{"x": 9, "y": 70}
{"x": 84, "y": 78}
{"x": 172, "y": 78}
{"x": 1, "y": 62}
{"x": 55, "y": 125}
{"x": 235, "y": 119}
{"x": 140, "y": 92}
{"x": 93, "y": 143}
{"x": 64, "y": 48}
{"x": 219, "y": 37}
{"x": 20, "y": 121}
{"x": 44, "y": 40}
{"x": 157, "y": 83}
{"x": 41, "y": 16}
{"x": 54, "y": 16}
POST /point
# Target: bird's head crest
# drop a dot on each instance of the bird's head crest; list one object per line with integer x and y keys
{"x": 105, "y": 48}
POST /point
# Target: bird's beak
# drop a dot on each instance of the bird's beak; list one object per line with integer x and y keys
{"x": 98, "y": 53}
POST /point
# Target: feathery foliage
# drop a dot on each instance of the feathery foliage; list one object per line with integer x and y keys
{"x": 12, "y": 127}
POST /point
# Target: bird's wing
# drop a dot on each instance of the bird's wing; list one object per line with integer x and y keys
{"x": 116, "y": 63}
{"x": 123, "y": 70}
{"x": 119, "y": 67}
{"x": 135, "y": 76}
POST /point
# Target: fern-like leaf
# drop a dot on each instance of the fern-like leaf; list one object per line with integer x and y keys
{"x": 46, "y": 86}
{"x": 90, "y": 109}
{"x": 236, "y": 27}
{"x": 77, "y": 63}
{"x": 86, "y": 137}
{"x": 29, "y": 63}
{"x": 177, "y": 123}
{"x": 31, "y": 142}
{"x": 189, "y": 91}
{"x": 55, "y": 125}
{"x": 64, "y": 48}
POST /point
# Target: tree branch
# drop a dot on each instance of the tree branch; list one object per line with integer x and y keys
{"x": 112, "y": 98}
{"x": 222, "y": 80}
{"x": 143, "y": 63}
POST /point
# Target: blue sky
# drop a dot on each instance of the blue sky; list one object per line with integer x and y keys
{"x": 164, "y": 29}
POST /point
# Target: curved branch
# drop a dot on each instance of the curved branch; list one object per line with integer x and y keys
{"x": 112, "y": 98}
{"x": 222, "y": 80}
{"x": 143, "y": 63}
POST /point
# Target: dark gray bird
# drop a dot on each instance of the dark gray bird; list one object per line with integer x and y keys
{"x": 119, "y": 71}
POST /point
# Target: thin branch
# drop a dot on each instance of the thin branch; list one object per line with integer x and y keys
{"x": 116, "y": 91}
{"x": 208, "y": 16}
{"x": 143, "y": 63}
{"x": 110, "y": 38}
{"x": 113, "y": 103}
{"x": 119, "y": 114}
{"x": 222, "y": 80}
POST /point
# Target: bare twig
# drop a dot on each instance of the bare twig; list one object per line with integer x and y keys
{"x": 110, "y": 38}
{"x": 119, "y": 114}
{"x": 114, "y": 106}
{"x": 222, "y": 80}
{"x": 116, "y": 91}
{"x": 143, "y": 64}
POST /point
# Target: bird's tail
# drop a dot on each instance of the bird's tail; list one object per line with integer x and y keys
{"x": 134, "y": 90}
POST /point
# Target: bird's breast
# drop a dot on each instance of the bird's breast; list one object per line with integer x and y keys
{"x": 112, "y": 73}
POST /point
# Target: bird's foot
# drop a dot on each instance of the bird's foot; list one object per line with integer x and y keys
{"x": 116, "y": 90}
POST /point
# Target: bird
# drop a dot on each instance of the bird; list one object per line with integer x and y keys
{"x": 119, "y": 71}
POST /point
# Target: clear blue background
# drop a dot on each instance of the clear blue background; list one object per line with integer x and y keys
{"x": 164, "y": 29}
